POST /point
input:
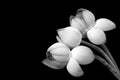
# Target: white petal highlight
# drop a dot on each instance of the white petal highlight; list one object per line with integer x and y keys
{"x": 62, "y": 51}
{"x": 59, "y": 49}
{"x": 70, "y": 36}
{"x": 105, "y": 24}
{"x": 74, "y": 68}
{"x": 56, "y": 45}
{"x": 83, "y": 55}
{"x": 96, "y": 36}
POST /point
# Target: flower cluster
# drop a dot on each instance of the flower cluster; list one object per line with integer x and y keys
{"x": 85, "y": 22}
{"x": 68, "y": 51}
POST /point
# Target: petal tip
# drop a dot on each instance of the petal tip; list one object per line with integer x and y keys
{"x": 105, "y": 24}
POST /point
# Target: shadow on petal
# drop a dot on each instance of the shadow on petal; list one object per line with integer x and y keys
{"x": 53, "y": 64}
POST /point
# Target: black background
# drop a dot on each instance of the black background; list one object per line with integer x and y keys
{"x": 38, "y": 24}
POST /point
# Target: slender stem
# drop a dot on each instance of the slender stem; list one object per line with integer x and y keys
{"x": 109, "y": 54}
{"x": 102, "y": 52}
{"x": 113, "y": 71}
{"x": 99, "y": 50}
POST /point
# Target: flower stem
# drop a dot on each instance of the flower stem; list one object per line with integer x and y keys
{"x": 109, "y": 54}
{"x": 99, "y": 50}
{"x": 103, "y": 53}
{"x": 113, "y": 71}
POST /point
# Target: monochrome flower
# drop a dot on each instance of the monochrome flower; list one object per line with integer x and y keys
{"x": 84, "y": 21}
{"x": 69, "y": 36}
{"x": 68, "y": 51}
{"x": 57, "y": 56}
{"x": 96, "y": 34}
{"x": 82, "y": 54}
{"x": 74, "y": 68}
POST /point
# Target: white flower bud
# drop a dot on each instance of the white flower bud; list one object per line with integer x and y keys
{"x": 69, "y": 36}
{"x": 105, "y": 24}
{"x": 83, "y": 55}
{"x": 83, "y": 20}
{"x": 59, "y": 52}
{"x": 74, "y": 68}
{"x": 96, "y": 36}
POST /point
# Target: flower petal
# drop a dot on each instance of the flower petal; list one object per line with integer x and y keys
{"x": 83, "y": 20}
{"x": 70, "y": 36}
{"x": 53, "y": 64}
{"x": 56, "y": 45}
{"x": 88, "y": 17}
{"x": 60, "y": 58}
{"x": 96, "y": 36}
{"x": 59, "y": 49}
{"x": 74, "y": 68}
{"x": 105, "y": 24}
{"x": 78, "y": 24}
{"x": 83, "y": 55}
